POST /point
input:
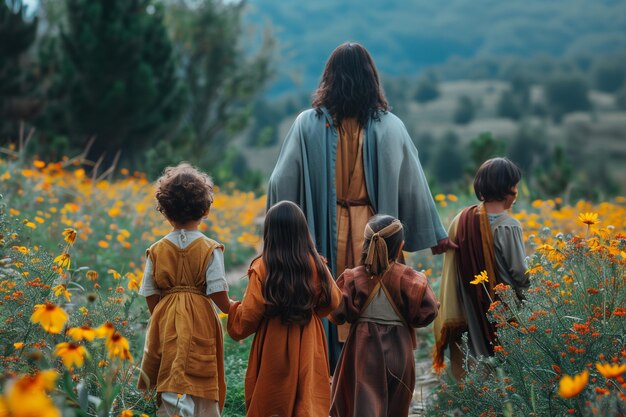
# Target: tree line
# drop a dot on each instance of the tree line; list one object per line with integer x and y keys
{"x": 150, "y": 81}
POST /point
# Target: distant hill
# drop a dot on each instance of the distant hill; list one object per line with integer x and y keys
{"x": 407, "y": 36}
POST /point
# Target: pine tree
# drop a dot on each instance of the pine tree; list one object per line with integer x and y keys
{"x": 17, "y": 35}
{"x": 121, "y": 76}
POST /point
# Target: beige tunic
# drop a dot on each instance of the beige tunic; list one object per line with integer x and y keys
{"x": 353, "y": 207}
{"x": 184, "y": 350}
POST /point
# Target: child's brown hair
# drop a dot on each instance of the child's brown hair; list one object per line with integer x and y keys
{"x": 184, "y": 193}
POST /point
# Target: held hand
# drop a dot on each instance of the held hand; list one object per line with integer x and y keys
{"x": 443, "y": 245}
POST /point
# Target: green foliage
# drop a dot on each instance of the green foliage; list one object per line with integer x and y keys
{"x": 528, "y": 147}
{"x": 620, "y": 98}
{"x": 566, "y": 94}
{"x": 481, "y": 148}
{"x": 119, "y": 75}
{"x": 427, "y": 88}
{"x": 609, "y": 75}
{"x": 464, "y": 111}
{"x": 448, "y": 162}
{"x": 222, "y": 81}
{"x": 554, "y": 176}
{"x": 515, "y": 101}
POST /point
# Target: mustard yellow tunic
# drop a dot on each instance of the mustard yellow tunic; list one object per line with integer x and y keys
{"x": 353, "y": 207}
{"x": 184, "y": 350}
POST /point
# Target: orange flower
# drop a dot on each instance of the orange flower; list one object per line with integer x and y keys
{"x": 570, "y": 387}
{"x": 611, "y": 370}
{"x": 51, "y": 317}
{"x": 92, "y": 275}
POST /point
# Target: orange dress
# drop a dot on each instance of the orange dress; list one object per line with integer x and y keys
{"x": 288, "y": 373}
{"x": 184, "y": 350}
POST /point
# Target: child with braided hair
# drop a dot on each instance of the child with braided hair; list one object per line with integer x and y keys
{"x": 383, "y": 301}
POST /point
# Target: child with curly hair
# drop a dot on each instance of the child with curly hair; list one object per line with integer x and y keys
{"x": 183, "y": 278}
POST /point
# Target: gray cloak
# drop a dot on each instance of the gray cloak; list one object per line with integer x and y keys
{"x": 395, "y": 181}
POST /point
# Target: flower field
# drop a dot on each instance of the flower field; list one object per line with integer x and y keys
{"x": 72, "y": 323}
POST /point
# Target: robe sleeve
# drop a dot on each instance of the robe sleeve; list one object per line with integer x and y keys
{"x": 397, "y": 184}
{"x": 335, "y": 296}
{"x": 421, "y": 304}
{"x": 347, "y": 310}
{"x": 245, "y": 317}
{"x": 286, "y": 181}
{"x": 508, "y": 243}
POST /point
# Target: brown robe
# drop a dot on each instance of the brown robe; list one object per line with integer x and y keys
{"x": 184, "y": 349}
{"x": 375, "y": 375}
{"x": 288, "y": 373}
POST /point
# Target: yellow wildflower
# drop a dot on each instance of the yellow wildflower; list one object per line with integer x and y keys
{"x": 92, "y": 275}
{"x": 572, "y": 386}
{"x": 611, "y": 370}
{"x": 105, "y": 330}
{"x": 27, "y": 396}
{"x": 72, "y": 354}
{"x": 82, "y": 333}
{"x": 69, "y": 235}
{"x": 63, "y": 260}
{"x": 127, "y": 413}
{"x": 61, "y": 289}
{"x": 103, "y": 244}
{"x": 51, "y": 317}
{"x": 482, "y": 277}
{"x": 116, "y": 275}
{"x": 18, "y": 345}
{"x": 117, "y": 345}
{"x": 588, "y": 218}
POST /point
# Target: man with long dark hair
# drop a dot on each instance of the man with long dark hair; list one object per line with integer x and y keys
{"x": 349, "y": 158}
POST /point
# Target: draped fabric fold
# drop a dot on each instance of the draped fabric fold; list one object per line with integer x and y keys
{"x": 465, "y": 305}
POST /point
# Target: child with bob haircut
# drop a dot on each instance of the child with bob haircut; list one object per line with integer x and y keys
{"x": 490, "y": 240}
{"x": 183, "y": 277}
{"x": 383, "y": 300}
{"x": 289, "y": 290}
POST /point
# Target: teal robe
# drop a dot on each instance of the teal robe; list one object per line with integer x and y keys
{"x": 395, "y": 181}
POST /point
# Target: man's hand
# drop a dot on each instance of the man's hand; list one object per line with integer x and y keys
{"x": 443, "y": 245}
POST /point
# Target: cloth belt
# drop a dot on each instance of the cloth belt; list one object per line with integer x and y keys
{"x": 347, "y": 203}
{"x": 183, "y": 288}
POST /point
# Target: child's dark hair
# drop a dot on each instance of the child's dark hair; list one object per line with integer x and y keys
{"x": 183, "y": 193}
{"x": 495, "y": 178}
{"x": 390, "y": 231}
{"x": 288, "y": 249}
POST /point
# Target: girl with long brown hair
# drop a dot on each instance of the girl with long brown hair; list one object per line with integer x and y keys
{"x": 289, "y": 291}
